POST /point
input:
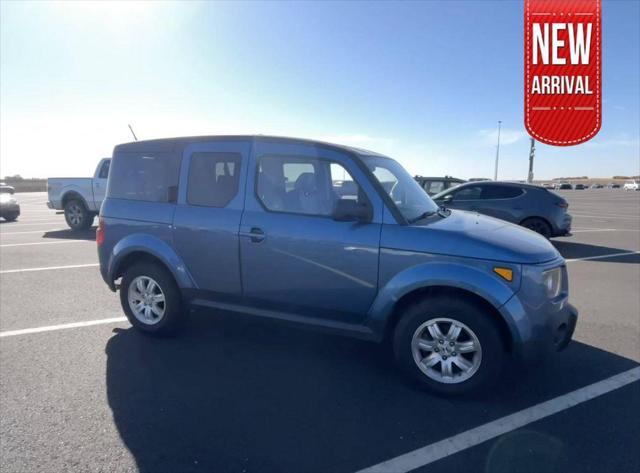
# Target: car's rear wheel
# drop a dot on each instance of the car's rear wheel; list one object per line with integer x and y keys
{"x": 11, "y": 217}
{"x": 450, "y": 346}
{"x": 538, "y": 225}
{"x": 77, "y": 215}
{"x": 151, "y": 299}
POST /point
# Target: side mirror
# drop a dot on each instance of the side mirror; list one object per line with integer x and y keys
{"x": 447, "y": 198}
{"x": 348, "y": 210}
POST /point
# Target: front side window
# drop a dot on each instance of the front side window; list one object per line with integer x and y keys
{"x": 468, "y": 193}
{"x": 501, "y": 192}
{"x": 301, "y": 185}
{"x": 407, "y": 195}
{"x": 213, "y": 178}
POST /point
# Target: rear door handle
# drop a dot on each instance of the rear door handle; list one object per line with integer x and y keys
{"x": 256, "y": 234}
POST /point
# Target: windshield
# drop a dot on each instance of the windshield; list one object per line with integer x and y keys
{"x": 410, "y": 199}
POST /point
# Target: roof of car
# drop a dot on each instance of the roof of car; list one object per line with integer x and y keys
{"x": 500, "y": 183}
{"x": 448, "y": 178}
{"x": 168, "y": 144}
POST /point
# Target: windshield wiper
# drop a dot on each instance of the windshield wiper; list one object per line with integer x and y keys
{"x": 443, "y": 211}
{"x": 426, "y": 214}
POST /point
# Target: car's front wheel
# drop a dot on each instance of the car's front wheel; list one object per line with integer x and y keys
{"x": 151, "y": 299}
{"x": 450, "y": 346}
{"x": 538, "y": 225}
{"x": 77, "y": 215}
{"x": 11, "y": 217}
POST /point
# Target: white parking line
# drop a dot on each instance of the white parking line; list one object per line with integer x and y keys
{"x": 606, "y": 216}
{"x": 4, "y": 234}
{"x": 46, "y": 243}
{"x": 51, "y": 328}
{"x": 584, "y": 230}
{"x": 609, "y": 255}
{"x": 42, "y": 224}
{"x": 49, "y": 268}
{"x": 452, "y": 445}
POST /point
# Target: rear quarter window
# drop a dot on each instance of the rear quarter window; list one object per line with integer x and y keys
{"x": 149, "y": 177}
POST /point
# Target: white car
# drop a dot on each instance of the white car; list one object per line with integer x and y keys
{"x": 79, "y": 197}
{"x": 631, "y": 186}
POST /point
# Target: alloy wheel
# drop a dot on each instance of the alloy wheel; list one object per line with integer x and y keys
{"x": 75, "y": 214}
{"x": 146, "y": 300}
{"x": 446, "y": 350}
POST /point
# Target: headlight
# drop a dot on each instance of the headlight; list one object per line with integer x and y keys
{"x": 552, "y": 280}
{"x": 6, "y": 198}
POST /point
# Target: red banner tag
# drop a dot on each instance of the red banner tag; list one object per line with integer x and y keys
{"x": 562, "y": 68}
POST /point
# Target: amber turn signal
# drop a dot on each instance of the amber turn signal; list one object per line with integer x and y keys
{"x": 504, "y": 273}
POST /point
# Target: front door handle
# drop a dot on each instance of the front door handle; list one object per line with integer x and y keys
{"x": 256, "y": 234}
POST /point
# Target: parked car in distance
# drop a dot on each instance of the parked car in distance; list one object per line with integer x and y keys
{"x": 79, "y": 197}
{"x": 435, "y": 185}
{"x": 6, "y": 189}
{"x": 631, "y": 186}
{"x": 253, "y": 224}
{"x": 530, "y": 206}
{"x": 614, "y": 186}
{"x": 563, "y": 186}
{"x": 579, "y": 187}
{"x": 597, "y": 186}
{"x": 9, "y": 207}
{"x": 548, "y": 185}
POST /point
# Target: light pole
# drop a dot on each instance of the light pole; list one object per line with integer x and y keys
{"x": 495, "y": 172}
{"x": 532, "y": 154}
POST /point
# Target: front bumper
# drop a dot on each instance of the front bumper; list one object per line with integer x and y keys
{"x": 564, "y": 227}
{"x": 540, "y": 325}
{"x": 50, "y": 204}
{"x": 538, "y": 334}
{"x": 10, "y": 209}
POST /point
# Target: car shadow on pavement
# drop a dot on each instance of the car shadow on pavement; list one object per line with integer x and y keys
{"x": 570, "y": 250}
{"x": 88, "y": 234}
{"x": 234, "y": 393}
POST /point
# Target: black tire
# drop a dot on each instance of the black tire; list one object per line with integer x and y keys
{"x": 492, "y": 356}
{"x": 11, "y": 217}
{"x": 77, "y": 215}
{"x": 538, "y": 225}
{"x": 172, "y": 320}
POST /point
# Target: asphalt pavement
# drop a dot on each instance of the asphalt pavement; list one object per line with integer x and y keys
{"x": 234, "y": 393}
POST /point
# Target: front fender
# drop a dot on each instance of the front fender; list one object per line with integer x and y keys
{"x": 478, "y": 279}
{"x": 140, "y": 242}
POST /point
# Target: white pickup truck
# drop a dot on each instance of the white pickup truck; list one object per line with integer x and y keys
{"x": 79, "y": 197}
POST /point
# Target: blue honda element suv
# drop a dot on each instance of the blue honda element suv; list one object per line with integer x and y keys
{"x": 331, "y": 236}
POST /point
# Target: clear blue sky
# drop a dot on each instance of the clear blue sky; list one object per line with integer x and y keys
{"x": 424, "y": 82}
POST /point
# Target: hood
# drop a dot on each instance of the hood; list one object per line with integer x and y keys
{"x": 471, "y": 235}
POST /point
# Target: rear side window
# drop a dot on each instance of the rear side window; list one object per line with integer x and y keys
{"x": 213, "y": 178}
{"x": 501, "y": 192}
{"x": 148, "y": 177}
{"x": 434, "y": 187}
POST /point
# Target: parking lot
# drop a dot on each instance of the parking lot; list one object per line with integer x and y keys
{"x": 80, "y": 390}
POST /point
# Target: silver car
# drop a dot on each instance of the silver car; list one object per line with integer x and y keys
{"x": 9, "y": 207}
{"x": 533, "y": 207}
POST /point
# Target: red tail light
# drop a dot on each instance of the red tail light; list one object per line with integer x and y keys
{"x": 100, "y": 232}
